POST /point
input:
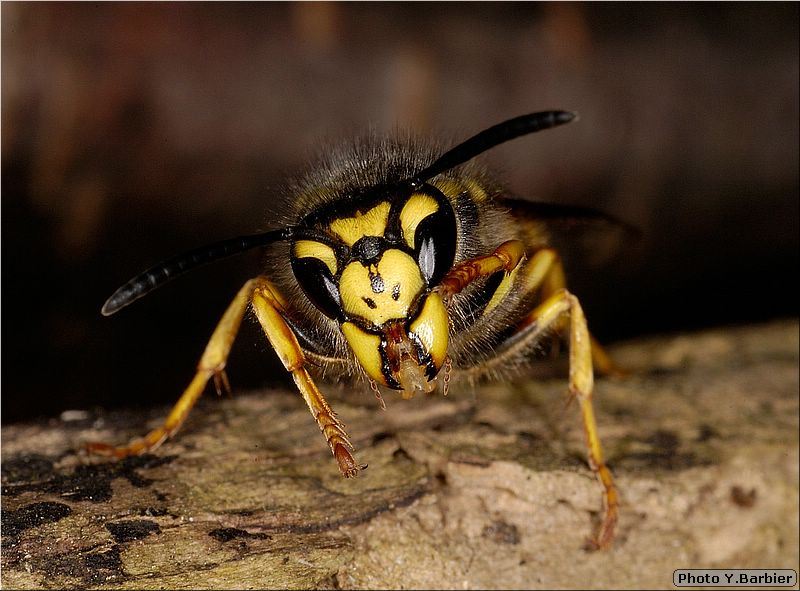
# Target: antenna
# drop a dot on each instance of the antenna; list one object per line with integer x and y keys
{"x": 161, "y": 273}
{"x": 491, "y": 137}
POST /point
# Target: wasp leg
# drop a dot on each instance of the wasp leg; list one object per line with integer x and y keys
{"x": 546, "y": 272}
{"x": 212, "y": 364}
{"x": 505, "y": 257}
{"x": 559, "y": 306}
{"x": 269, "y": 306}
{"x": 581, "y": 384}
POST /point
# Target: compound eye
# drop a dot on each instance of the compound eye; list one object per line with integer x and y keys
{"x": 313, "y": 265}
{"x": 435, "y": 243}
{"x": 317, "y": 283}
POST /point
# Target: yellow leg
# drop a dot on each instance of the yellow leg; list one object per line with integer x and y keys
{"x": 581, "y": 384}
{"x": 546, "y": 272}
{"x": 212, "y": 364}
{"x": 268, "y": 305}
{"x": 560, "y": 311}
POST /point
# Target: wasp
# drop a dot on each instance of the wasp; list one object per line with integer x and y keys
{"x": 400, "y": 264}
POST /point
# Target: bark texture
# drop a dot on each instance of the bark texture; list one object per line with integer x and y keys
{"x": 487, "y": 488}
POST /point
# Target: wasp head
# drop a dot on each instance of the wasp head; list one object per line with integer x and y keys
{"x": 374, "y": 269}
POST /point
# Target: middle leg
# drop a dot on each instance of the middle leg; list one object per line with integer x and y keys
{"x": 559, "y": 313}
{"x": 581, "y": 385}
{"x": 544, "y": 274}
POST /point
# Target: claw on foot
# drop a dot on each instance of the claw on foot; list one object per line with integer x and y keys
{"x": 221, "y": 383}
{"x": 606, "y": 534}
{"x": 135, "y": 448}
{"x": 347, "y": 463}
{"x": 97, "y": 448}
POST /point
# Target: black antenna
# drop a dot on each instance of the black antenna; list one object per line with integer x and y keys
{"x": 489, "y": 138}
{"x": 160, "y": 274}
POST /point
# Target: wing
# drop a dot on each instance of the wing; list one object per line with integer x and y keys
{"x": 595, "y": 237}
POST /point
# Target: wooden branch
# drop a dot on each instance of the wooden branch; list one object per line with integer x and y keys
{"x": 487, "y": 488}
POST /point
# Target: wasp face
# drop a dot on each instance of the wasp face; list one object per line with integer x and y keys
{"x": 373, "y": 269}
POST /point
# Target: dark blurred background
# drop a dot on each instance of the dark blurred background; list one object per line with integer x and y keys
{"x": 132, "y": 132}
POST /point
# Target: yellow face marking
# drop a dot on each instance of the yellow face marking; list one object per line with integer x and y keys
{"x": 381, "y": 292}
{"x": 432, "y": 326}
{"x": 416, "y": 209}
{"x": 371, "y": 223}
{"x": 316, "y": 250}
{"x": 366, "y": 348}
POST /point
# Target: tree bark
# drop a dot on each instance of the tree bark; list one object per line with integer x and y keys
{"x": 486, "y": 488}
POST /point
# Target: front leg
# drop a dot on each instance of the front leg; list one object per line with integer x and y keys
{"x": 541, "y": 276}
{"x": 268, "y": 306}
{"x": 505, "y": 257}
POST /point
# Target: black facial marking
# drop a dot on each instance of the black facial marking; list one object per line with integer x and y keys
{"x": 377, "y": 284}
{"x": 386, "y": 368}
{"x": 423, "y": 359}
{"x": 369, "y": 249}
{"x": 396, "y": 292}
{"x": 370, "y": 302}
